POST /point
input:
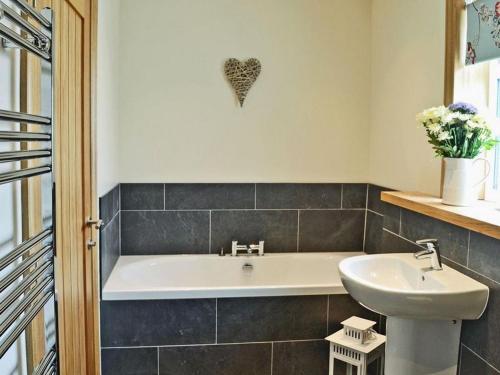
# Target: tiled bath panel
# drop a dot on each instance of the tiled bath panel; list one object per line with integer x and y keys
{"x": 391, "y": 229}
{"x": 234, "y": 336}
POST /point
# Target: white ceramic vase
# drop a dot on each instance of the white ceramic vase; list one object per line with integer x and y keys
{"x": 459, "y": 189}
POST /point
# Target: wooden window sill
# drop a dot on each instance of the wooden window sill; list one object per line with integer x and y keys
{"x": 483, "y": 217}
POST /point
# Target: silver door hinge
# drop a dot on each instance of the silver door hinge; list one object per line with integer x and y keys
{"x": 98, "y": 223}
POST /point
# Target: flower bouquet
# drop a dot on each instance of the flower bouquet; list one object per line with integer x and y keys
{"x": 458, "y": 134}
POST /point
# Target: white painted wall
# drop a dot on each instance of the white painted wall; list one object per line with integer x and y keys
{"x": 108, "y": 87}
{"x": 336, "y": 100}
{"x": 408, "y": 44}
{"x": 306, "y": 118}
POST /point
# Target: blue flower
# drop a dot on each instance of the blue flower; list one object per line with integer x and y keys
{"x": 464, "y": 108}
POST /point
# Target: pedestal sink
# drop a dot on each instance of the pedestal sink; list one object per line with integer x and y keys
{"x": 424, "y": 308}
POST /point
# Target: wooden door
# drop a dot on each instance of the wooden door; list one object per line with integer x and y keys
{"x": 76, "y": 263}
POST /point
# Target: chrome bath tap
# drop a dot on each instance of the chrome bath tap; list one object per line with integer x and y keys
{"x": 247, "y": 249}
{"x": 431, "y": 252}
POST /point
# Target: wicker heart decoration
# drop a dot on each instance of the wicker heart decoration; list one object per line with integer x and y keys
{"x": 242, "y": 75}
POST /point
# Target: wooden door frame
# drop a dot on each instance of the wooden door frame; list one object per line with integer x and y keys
{"x": 93, "y": 345}
{"x": 68, "y": 274}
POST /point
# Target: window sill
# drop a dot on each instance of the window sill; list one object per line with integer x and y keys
{"x": 483, "y": 217}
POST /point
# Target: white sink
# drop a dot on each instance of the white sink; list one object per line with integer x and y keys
{"x": 424, "y": 308}
{"x": 400, "y": 285}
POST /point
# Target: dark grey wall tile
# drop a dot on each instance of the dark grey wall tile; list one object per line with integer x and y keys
{"x": 471, "y": 364}
{"x": 209, "y": 196}
{"x": 133, "y": 361}
{"x": 392, "y": 243}
{"x": 157, "y": 322}
{"x": 354, "y": 195}
{"x": 109, "y": 247}
{"x": 294, "y": 196}
{"x": 374, "y": 202}
{"x": 165, "y": 232}
{"x": 342, "y": 307}
{"x": 109, "y": 205}
{"x": 392, "y": 219}
{"x": 336, "y": 230}
{"x": 243, "y": 359}
{"x": 391, "y": 213}
{"x": 373, "y": 236}
{"x": 484, "y": 255}
{"x": 300, "y": 358}
{"x": 271, "y": 318}
{"x": 142, "y": 196}
{"x": 277, "y": 228}
{"x": 483, "y": 335}
{"x": 452, "y": 239}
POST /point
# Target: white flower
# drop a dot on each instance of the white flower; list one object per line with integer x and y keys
{"x": 434, "y": 128}
{"x": 444, "y": 135}
{"x": 448, "y": 118}
{"x": 481, "y": 122}
{"x": 472, "y": 124}
{"x": 462, "y": 116}
{"x": 434, "y": 114}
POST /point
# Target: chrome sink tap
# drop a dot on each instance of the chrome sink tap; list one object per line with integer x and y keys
{"x": 431, "y": 252}
{"x": 247, "y": 250}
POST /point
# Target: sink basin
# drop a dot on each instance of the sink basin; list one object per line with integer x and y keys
{"x": 398, "y": 285}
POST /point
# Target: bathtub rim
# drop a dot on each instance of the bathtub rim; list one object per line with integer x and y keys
{"x": 224, "y": 291}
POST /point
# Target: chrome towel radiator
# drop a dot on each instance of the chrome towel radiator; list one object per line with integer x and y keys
{"x": 27, "y": 270}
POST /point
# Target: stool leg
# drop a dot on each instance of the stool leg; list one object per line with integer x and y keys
{"x": 332, "y": 361}
{"x": 361, "y": 369}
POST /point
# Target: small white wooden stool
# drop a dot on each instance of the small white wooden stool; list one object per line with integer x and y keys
{"x": 356, "y": 345}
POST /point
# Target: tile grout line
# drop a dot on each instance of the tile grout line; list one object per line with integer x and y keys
{"x": 109, "y": 222}
{"x": 341, "y": 196}
{"x": 468, "y": 249}
{"x": 366, "y": 218}
{"x": 365, "y": 230}
{"x": 255, "y": 196}
{"x": 366, "y": 198}
{"x": 209, "y": 344}
{"x": 398, "y": 235}
{"x": 400, "y": 230}
{"x": 210, "y": 232}
{"x": 253, "y": 209}
{"x": 375, "y": 212}
{"x": 481, "y": 358}
{"x": 328, "y": 315}
{"x": 120, "y": 218}
{"x": 298, "y": 230}
{"x": 272, "y": 356}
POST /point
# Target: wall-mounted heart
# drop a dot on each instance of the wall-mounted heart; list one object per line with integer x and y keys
{"x": 242, "y": 75}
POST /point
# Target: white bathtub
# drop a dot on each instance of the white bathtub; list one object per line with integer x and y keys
{"x": 212, "y": 276}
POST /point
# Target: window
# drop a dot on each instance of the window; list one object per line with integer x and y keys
{"x": 492, "y": 188}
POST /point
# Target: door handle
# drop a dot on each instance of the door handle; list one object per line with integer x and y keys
{"x": 98, "y": 223}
